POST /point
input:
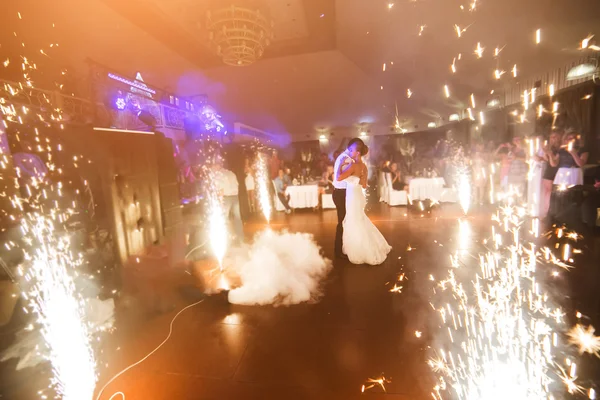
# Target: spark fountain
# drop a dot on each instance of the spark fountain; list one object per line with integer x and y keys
{"x": 501, "y": 332}
{"x": 262, "y": 179}
{"x": 216, "y": 219}
{"x": 49, "y": 270}
{"x": 59, "y": 309}
{"x": 464, "y": 191}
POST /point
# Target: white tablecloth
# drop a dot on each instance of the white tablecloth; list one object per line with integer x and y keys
{"x": 303, "y": 196}
{"x": 426, "y": 188}
{"x": 569, "y": 177}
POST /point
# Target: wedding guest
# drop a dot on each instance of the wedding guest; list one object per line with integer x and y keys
{"x": 250, "y": 188}
{"x": 571, "y": 157}
{"x": 517, "y": 173}
{"x": 326, "y": 183}
{"x": 513, "y": 171}
{"x": 385, "y": 166}
{"x": 287, "y": 176}
{"x": 501, "y": 154}
{"x": 228, "y": 187}
{"x": 591, "y": 204}
{"x": 397, "y": 182}
{"x": 274, "y": 164}
{"x": 548, "y": 152}
{"x": 280, "y": 186}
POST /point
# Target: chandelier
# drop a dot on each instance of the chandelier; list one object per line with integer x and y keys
{"x": 239, "y": 35}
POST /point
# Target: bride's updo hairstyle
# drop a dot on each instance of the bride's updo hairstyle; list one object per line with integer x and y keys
{"x": 364, "y": 150}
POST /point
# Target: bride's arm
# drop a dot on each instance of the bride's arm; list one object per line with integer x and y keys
{"x": 345, "y": 173}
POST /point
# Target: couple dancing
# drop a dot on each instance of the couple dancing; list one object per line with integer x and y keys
{"x": 356, "y": 238}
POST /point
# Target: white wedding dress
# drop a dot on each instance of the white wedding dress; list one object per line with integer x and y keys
{"x": 362, "y": 241}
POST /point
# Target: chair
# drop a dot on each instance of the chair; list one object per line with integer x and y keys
{"x": 383, "y": 189}
{"x": 394, "y": 197}
{"x": 327, "y": 201}
{"x": 278, "y": 204}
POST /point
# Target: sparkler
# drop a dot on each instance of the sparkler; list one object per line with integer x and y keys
{"x": 526, "y": 99}
{"x": 446, "y": 91}
{"x": 514, "y": 71}
{"x": 538, "y": 36}
{"x": 479, "y": 50}
{"x": 460, "y": 31}
{"x": 464, "y": 192}
{"x": 216, "y": 217}
{"x": 409, "y": 93}
{"x": 501, "y": 338}
{"x": 585, "y": 339}
{"x": 551, "y": 90}
{"x": 372, "y": 382}
{"x": 263, "y": 180}
{"x": 473, "y": 101}
{"x": 49, "y": 269}
{"x": 53, "y": 299}
{"x": 585, "y": 43}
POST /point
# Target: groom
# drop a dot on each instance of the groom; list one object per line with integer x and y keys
{"x": 339, "y": 192}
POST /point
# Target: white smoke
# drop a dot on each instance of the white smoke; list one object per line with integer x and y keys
{"x": 280, "y": 268}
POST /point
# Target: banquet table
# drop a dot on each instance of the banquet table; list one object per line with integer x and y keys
{"x": 426, "y": 188}
{"x": 303, "y": 196}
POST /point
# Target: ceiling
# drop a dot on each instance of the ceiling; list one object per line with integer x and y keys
{"x": 325, "y": 67}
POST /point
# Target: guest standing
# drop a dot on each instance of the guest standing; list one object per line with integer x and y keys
{"x": 549, "y": 153}
{"x": 250, "y": 188}
{"x": 281, "y": 183}
{"x": 571, "y": 157}
{"x": 397, "y": 182}
{"x": 591, "y": 204}
{"x": 326, "y": 183}
{"x": 227, "y": 185}
{"x": 517, "y": 173}
{"x": 274, "y": 164}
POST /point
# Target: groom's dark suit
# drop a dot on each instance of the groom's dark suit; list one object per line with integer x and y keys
{"x": 339, "y": 199}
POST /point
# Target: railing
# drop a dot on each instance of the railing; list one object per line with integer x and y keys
{"x": 76, "y": 109}
{"x": 513, "y": 94}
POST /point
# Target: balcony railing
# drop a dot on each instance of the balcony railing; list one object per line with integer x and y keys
{"x": 77, "y": 109}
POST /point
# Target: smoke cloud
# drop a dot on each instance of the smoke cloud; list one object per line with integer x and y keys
{"x": 279, "y": 268}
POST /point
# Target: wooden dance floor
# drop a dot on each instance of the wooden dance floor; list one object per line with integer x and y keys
{"x": 328, "y": 350}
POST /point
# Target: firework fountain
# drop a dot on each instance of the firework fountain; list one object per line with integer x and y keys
{"x": 51, "y": 277}
{"x": 502, "y": 334}
{"x": 61, "y": 312}
{"x": 262, "y": 178}
{"x": 216, "y": 219}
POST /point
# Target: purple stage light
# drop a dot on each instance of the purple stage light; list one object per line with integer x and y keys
{"x": 120, "y": 103}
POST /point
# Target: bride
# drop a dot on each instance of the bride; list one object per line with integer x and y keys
{"x": 362, "y": 241}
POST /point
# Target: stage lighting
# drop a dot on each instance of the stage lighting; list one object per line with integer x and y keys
{"x": 120, "y": 103}
{"x": 583, "y": 71}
